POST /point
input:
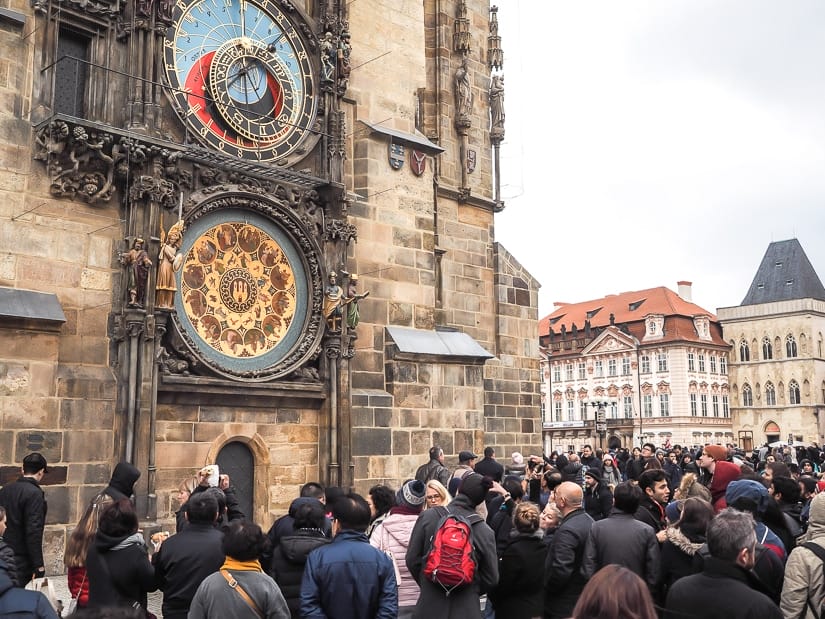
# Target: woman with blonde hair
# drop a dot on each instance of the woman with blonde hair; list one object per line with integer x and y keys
{"x": 615, "y": 592}
{"x": 436, "y": 495}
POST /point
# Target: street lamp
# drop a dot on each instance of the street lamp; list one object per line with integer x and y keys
{"x": 600, "y": 407}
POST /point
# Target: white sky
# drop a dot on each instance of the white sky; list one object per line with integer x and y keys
{"x": 652, "y": 141}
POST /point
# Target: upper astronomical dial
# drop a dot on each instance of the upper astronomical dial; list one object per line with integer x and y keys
{"x": 242, "y": 79}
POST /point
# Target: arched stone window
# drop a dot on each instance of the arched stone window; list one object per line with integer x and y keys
{"x": 793, "y": 392}
{"x": 770, "y": 394}
{"x": 767, "y": 348}
{"x": 790, "y": 346}
{"x": 747, "y": 395}
{"x": 744, "y": 351}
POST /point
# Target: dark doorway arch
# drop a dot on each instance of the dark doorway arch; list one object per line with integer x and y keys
{"x": 236, "y": 460}
{"x": 614, "y": 443}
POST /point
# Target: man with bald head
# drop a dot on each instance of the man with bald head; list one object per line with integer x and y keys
{"x": 563, "y": 581}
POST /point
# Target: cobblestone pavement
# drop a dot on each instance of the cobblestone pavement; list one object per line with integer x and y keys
{"x": 61, "y": 589}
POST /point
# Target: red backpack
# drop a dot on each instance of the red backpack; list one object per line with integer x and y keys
{"x": 451, "y": 560}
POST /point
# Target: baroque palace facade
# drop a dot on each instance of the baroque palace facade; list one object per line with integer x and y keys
{"x": 258, "y": 233}
{"x": 777, "y": 368}
{"x": 645, "y": 366}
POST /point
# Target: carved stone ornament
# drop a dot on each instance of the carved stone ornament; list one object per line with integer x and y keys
{"x": 102, "y": 8}
{"x": 339, "y": 230}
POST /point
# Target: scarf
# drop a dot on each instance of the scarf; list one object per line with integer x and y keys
{"x": 135, "y": 539}
{"x": 241, "y": 566}
{"x": 403, "y": 509}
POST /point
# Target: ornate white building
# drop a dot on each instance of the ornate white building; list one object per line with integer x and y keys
{"x": 645, "y": 366}
{"x": 777, "y": 369}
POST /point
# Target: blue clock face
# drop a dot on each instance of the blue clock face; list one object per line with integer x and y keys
{"x": 241, "y": 77}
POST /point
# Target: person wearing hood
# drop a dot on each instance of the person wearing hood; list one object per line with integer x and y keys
{"x": 463, "y": 602}
{"x": 117, "y": 564}
{"x": 393, "y": 535}
{"x": 803, "y": 592}
{"x": 17, "y": 602}
{"x": 290, "y": 556}
{"x": 121, "y": 486}
{"x": 684, "y": 536}
{"x": 724, "y": 473}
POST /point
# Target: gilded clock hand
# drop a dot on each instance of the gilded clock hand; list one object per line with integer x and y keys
{"x": 243, "y": 18}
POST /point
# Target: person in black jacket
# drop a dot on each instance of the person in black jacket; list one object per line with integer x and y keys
{"x": 187, "y": 558}
{"x": 25, "y": 504}
{"x": 489, "y": 466}
{"x": 290, "y": 556}
{"x": 598, "y": 498}
{"x": 229, "y": 511}
{"x": 117, "y": 564}
{"x": 519, "y": 593}
{"x": 17, "y": 602}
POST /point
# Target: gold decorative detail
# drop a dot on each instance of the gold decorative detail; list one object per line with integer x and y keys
{"x": 238, "y": 289}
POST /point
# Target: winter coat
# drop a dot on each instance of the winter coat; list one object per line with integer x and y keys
{"x": 766, "y": 576}
{"x": 122, "y": 483}
{"x": 233, "y": 509}
{"x": 591, "y": 463}
{"x": 677, "y": 556}
{"x": 214, "y": 599}
{"x": 394, "y": 535}
{"x": 520, "y": 593}
{"x": 78, "y": 585}
{"x": 285, "y": 525}
{"x": 598, "y": 501}
{"x": 16, "y": 603}
{"x": 118, "y": 571}
{"x": 491, "y": 468}
{"x": 183, "y": 562}
{"x": 563, "y": 579}
{"x": 25, "y": 505}
{"x": 804, "y": 578}
{"x": 461, "y": 603}
{"x": 349, "y": 579}
{"x": 719, "y": 592}
{"x": 7, "y": 558}
{"x": 724, "y": 473}
{"x": 611, "y": 476}
{"x": 652, "y": 513}
{"x": 288, "y": 561}
{"x": 623, "y": 540}
{"x": 433, "y": 470}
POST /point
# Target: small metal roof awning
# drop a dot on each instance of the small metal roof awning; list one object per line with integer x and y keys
{"x": 446, "y": 346}
{"x": 418, "y": 142}
{"x": 27, "y": 309}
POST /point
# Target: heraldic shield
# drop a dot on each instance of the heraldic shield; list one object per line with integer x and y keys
{"x": 396, "y": 155}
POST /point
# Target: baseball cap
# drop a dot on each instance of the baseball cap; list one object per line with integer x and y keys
{"x": 463, "y": 456}
{"x": 34, "y": 462}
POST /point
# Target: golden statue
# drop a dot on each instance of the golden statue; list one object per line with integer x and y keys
{"x": 169, "y": 262}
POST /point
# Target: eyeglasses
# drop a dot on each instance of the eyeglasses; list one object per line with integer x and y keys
{"x": 433, "y": 497}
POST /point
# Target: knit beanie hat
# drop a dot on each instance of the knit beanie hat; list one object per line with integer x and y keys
{"x": 475, "y": 487}
{"x": 594, "y": 473}
{"x": 717, "y": 452}
{"x": 673, "y": 511}
{"x": 411, "y": 495}
{"x": 748, "y": 489}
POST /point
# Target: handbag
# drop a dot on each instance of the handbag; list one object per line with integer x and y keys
{"x": 246, "y": 597}
{"x": 44, "y": 586}
{"x": 73, "y": 602}
{"x": 385, "y": 548}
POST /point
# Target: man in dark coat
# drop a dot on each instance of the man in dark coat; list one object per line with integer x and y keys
{"x": 563, "y": 580}
{"x": 598, "y": 499}
{"x": 434, "y": 468}
{"x": 489, "y": 466}
{"x": 636, "y": 466}
{"x": 721, "y": 589}
{"x": 462, "y": 602}
{"x": 25, "y": 504}
{"x": 589, "y": 459}
{"x": 653, "y": 484}
{"x": 186, "y": 559}
{"x": 623, "y": 540}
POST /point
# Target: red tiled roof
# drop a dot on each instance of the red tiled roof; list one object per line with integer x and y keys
{"x": 626, "y": 307}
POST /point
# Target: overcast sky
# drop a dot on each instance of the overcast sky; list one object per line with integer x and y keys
{"x": 654, "y": 141}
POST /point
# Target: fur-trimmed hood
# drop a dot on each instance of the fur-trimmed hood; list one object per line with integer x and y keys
{"x": 675, "y": 536}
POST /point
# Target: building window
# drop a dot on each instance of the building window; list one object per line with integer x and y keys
{"x": 770, "y": 394}
{"x": 691, "y": 362}
{"x": 664, "y": 404}
{"x": 661, "y": 360}
{"x": 568, "y": 371}
{"x": 714, "y": 401}
{"x": 725, "y": 406}
{"x": 645, "y": 365}
{"x": 557, "y": 410}
{"x": 747, "y": 395}
{"x": 767, "y": 349}
{"x": 599, "y": 366}
{"x": 723, "y": 364}
{"x": 71, "y": 75}
{"x": 628, "y": 406}
{"x": 701, "y": 363}
{"x": 582, "y": 370}
{"x": 625, "y": 366}
{"x": 703, "y": 400}
{"x": 556, "y": 373}
{"x": 647, "y": 404}
{"x": 583, "y": 410}
{"x": 793, "y": 392}
{"x": 744, "y": 351}
{"x": 713, "y": 364}
{"x": 611, "y": 367}
{"x": 790, "y": 346}
{"x": 571, "y": 410}
{"x": 694, "y": 410}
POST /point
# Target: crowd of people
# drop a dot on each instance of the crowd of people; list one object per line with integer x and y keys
{"x": 679, "y": 533}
